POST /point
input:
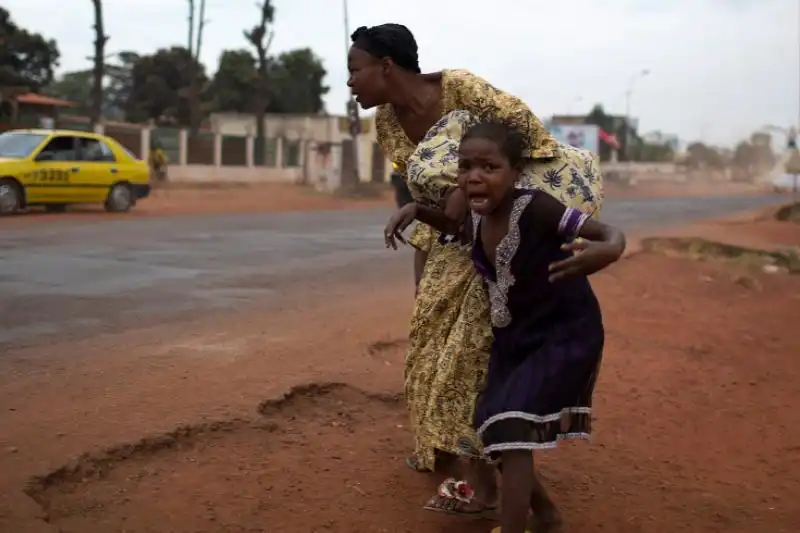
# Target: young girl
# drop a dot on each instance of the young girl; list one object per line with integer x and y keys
{"x": 548, "y": 330}
{"x": 546, "y": 321}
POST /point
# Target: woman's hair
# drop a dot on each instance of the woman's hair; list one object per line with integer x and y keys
{"x": 505, "y": 135}
{"x": 394, "y": 41}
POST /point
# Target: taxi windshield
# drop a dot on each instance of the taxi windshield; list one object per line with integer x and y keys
{"x": 16, "y": 145}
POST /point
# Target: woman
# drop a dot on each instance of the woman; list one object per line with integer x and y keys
{"x": 450, "y": 336}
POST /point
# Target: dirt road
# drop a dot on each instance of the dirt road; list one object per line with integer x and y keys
{"x": 78, "y": 277}
{"x": 695, "y": 426}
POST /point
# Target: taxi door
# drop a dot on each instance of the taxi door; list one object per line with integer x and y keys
{"x": 54, "y": 169}
{"x": 98, "y": 169}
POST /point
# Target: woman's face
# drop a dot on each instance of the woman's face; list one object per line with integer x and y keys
{"x": 367, "y": 78}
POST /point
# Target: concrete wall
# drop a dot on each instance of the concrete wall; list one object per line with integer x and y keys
{"x": 321, "y": 139}
{"x": 210, "y": 174}
{"x": 310, "y": 130}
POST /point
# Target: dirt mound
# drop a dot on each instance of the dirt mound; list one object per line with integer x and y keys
{"x": 789, "y": 213}
{"x": 772, "y": 261}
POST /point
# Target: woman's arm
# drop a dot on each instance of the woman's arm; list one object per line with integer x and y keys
{"x": 450, "y": 219}
{"x": 482, "y": 99}
{"x": 542, "y": 151}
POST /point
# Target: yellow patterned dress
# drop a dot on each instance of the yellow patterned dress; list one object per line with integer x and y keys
{"x": 450, "y": 335}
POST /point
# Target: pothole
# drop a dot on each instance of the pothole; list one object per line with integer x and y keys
{"x": 789, "y": 213}
{"x": 773, "y": 261}
{"x": 324, "y": 458}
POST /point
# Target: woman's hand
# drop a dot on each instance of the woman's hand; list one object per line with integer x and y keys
{"x": 591, "y": 257}
{"x": 401, "y": 219}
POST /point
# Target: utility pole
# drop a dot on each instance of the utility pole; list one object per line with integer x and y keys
{"x": 628, "y": 94}
{"x": 354, "y": 121}
{"x": 792, "y": 136}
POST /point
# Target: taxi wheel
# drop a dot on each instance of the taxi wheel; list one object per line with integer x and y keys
{"x": 120, "y": 198}
{"x": 10, "y": 197}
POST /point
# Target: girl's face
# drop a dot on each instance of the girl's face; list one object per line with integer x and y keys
{"x": 485, "y": 174}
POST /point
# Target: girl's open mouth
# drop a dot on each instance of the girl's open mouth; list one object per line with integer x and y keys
{"x": 478, "y": 201}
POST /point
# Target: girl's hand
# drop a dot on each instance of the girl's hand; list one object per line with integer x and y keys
{"x": 591, "y": 257}
{"x": 402, "y": 219}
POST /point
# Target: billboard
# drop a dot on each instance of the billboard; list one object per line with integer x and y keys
{"x": 584, "y": 136}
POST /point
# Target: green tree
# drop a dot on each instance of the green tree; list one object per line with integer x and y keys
{"x": 75, "y": 86}
{"x": 26, "y": 59}
{"x": 296, "y": 83}
{"x": 655, "y": 152}
{"x": 701, "y": 156}
{"x": 763, "y": 157}
{"x": 235, "y": 82}
{"x": 160, "y": 85}
{"x": 119, "y": 83}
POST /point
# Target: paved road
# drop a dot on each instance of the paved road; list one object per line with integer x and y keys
{"x": 69, "y": 277}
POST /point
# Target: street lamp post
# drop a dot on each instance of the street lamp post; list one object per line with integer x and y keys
{"x": 628, "y": 94}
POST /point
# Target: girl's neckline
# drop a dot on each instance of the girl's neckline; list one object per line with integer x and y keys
{"x": 505, "y": 242}
{"x": 443, "y": 75}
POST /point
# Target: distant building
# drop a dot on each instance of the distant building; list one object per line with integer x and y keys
{"x": 22, "y": 108}
{"x": 617, "y": 121}
{"x": 658, "y": 137}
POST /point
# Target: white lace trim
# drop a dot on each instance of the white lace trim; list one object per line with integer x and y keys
{"x": 579, "y": 226}
{"x": 524, "y": 445}
{"x": 538, "y": 419}
{"x": 563, "y": 224}
{"x": 506, "y": 250}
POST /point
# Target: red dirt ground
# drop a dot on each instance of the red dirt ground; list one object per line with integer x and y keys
{"x": 695, "y": 423}
{"x": 661, "y": 189}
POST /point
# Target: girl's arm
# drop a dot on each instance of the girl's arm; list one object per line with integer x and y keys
{"x": 606, "y": 243}
{"x": 555, "y": 218}
{"x": 594, "y": 230}
{"x": 448, "y": 221}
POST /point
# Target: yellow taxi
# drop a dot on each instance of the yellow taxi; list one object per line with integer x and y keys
{"x": 56, "y": 168}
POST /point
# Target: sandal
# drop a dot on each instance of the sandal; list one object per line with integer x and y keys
{"x": 457, "y": 498}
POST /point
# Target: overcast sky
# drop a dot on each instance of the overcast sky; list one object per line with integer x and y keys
{"x": 719, "y": 68}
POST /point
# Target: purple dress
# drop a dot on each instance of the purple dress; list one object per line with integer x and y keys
{"x": 548, "y": 337}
